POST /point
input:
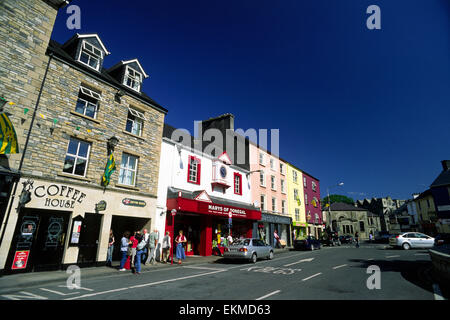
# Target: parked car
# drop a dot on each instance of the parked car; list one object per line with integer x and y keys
{"x": 346, "y": 239}
{"x": 310, "y": 243}
{"x": 382, "y": 237}
{"x": 249, "y": 249}
{"x": 410, "y": 240}
{"x": 442, "y": 238}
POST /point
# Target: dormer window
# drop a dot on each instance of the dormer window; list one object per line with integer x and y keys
{"x": 132, "y": 79}
{"x": 90, "y": 55}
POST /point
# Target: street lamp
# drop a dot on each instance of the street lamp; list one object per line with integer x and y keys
{"x": 340, "y": 184}
{"x": 112, "y": 143}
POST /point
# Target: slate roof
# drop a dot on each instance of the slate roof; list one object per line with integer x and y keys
{"x": 57, "y": 50}
{"x": 340, "y": 206}
{"x": 442, "y": 180}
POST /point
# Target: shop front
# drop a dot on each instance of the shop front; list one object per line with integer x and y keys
{"x": 207, "y": 221}
{"x": 64, "y": 224}
{"x": 271, "y": 222}
{"x": 300, "y": 230}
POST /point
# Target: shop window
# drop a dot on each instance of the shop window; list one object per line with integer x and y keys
{"x": 128, "y": 170}
{"x": 237, "y": 183}
{"x": 77, "y": 157}
{"x": 194, "y": 170}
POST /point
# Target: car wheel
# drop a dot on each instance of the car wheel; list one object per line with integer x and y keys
{"x": 406, "y": 246}
{"x": 254, "y": 258}
{"x": 270, "y": 255}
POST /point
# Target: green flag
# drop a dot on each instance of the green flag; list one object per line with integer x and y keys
{"x": 8, "y": 137}
{"x": 109, "y": 169}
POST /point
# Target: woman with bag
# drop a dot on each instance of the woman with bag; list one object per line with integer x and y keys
{"x": 139, "y": 251}
{"x": 180, "y": 241}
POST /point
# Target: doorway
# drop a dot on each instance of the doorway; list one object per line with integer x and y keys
{"x": 89, "y": 238}
{"x": 38, "y": 242}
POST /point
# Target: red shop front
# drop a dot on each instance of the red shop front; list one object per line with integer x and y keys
{"x": 204, "y": 221}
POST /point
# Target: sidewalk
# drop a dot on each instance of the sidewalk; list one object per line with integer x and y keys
{"x": 25, "y": 280}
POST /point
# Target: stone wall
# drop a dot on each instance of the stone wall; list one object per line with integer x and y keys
{"x": 25, "y": 30}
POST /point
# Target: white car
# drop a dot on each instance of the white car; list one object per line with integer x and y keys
{"x": 410, "y": 240}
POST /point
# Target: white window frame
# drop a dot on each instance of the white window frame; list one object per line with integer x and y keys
{"x": 306, "y": 199}
{"x": 91, "y": 54}
{"x": 262, "y": 176}
{"x": 193, "y": 170}
{"x": 294, "y": 176}
{"x": 94, "y": 95}
{"x": 76, "y": 156}
{"x": 313, "y": 185}
{"x": 282, "y": 168}
{"x": 295, "y": 194}
{"x": 274, "y": 204}
{"x": 283, "y": 186}
{"x": 138, "y": 115}
{"x": 273, "y": 183}
{"x": 283, "y": 206}
{"x": 263, "y": 202}
{"x": 261, "y": 159}
{"x": 304, "y": 182}
{"x": 133, "y": 78}
{"x": 297, "y": 214}
{"x": 127, "y": 168}
{"x": 272, "y": 163}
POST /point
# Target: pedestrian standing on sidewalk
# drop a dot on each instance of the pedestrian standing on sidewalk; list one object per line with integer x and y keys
{"x": 134, "y": 243}
{"x": 139, "y": 251}
{"x": 152, "y": 243}
{"x": 276, "y": 239}
{"x": 146, "y": 252}
{"x": 110, "y": 248}
{"x": 180, "y": 241}
{"x": 166, "y": 246}
{"x": 124, "y": 245}
{"x": 357, "y": 239}
{"x": 370, "y": 237}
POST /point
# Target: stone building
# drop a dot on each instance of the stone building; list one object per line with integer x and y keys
{"x": 77, "y": 113}
{"x": 383, "y": 207}
{"x": 348, "y": 219}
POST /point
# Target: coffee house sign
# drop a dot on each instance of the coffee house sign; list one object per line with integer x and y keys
{"x": 59, "y": 196}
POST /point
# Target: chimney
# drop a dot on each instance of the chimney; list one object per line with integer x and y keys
{"x": 445, "y": 164}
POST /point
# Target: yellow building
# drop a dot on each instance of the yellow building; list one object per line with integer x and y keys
{"x": 296, "y": 203}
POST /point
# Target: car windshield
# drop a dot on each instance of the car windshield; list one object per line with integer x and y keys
{"x": 244, "y": 242}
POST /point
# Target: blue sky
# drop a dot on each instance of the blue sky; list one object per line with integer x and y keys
{"x": 370, "y": 108}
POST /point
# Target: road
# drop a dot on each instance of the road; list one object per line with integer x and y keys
{"x": 337, "y": 273}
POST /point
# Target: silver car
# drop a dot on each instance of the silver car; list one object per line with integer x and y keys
{"x": 410, "y": 240}
{"x": 248, "y": 249}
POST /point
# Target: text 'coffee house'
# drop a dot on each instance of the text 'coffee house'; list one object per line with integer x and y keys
{"x": 62, "y": 224}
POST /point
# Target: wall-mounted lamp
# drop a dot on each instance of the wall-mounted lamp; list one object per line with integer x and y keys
{"x": 119, "y": 94}
{"x": 3, "y": 101}
{"x": 112, "y": 143}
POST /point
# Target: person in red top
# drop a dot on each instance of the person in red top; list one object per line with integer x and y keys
{"x": 180, "y": 241}
{"x": 134, "y": 243}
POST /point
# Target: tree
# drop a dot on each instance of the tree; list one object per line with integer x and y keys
{"x": 337, "y": 198}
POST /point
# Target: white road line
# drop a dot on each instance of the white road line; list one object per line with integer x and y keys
{"x": 337, "y": 267}
{"x": 370, "y": 259}
{"x": 303, "y": 260}
{"x": 142, "y": 285}
{"x": 59, "y": 293}
{"x": 315, "y": 275}
{"x": 437, "y": 292}
{"x": 268, "y": 295}
{"x": 392, "y": 256}
{"x": 421, "y": 254}
{"x": 204, "y": 268}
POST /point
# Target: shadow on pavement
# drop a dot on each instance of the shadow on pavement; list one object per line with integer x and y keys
{"x": 415, "y": 272}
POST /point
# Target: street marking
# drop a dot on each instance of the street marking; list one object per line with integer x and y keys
{"x": 337, "y": 267}
{"x": 25, "y": 295}
{"x": 204, "y": 268}
{"x": 393, "y": 256}
{"x": 421, "y": 254}
{"x": 303, "y": 260}
{"x": 143, "y": 285}
{"x": 79, "y": 288}
{"x": 437, "y": 292}
{"x": 370, "y": 259}
{"x": 59, "y": 293}
{"x": 268, "y": 295}
{"x": 315, "y": 275}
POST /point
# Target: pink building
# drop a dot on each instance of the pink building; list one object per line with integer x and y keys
{"x": 269, "y": 192}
